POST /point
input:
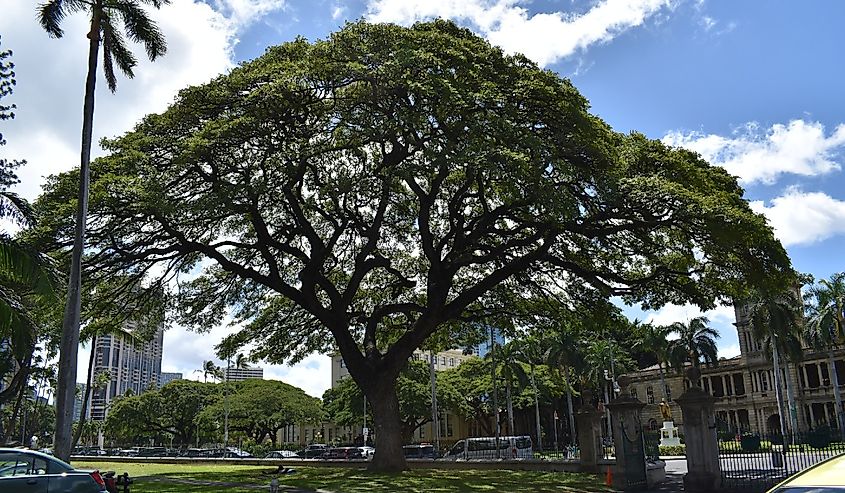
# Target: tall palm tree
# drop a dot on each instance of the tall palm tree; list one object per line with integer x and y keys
{"x": 564, "y": 354}
{"x": 529, "y": 352}
{"x": 654, "y": 339}
{"x": 511, "y": 371}
{"x": 696, "y": 342}
{"x": 241, "y": 361}
{"x": 825, "y": 328}
{"x": 776, "y": 321}
{"x": 209, "y": 369}
{"x": 105, "y": 16}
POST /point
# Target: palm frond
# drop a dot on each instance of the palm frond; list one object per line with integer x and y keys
{"x": 115, "y": 48}
{"x": 26, "y": 267}
{"x": 16, "y": 208}
{"x": 52, "y": 13}
{"x": 141, "y": 29}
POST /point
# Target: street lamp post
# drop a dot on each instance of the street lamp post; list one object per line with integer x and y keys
{"x": 495, "y": 391}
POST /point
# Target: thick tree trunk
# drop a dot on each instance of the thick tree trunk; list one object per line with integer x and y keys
{"x": 69, "y": 347}
{"x": 837, "y": 395}
{"x": 389, "y": 456}
{"x": 87, "y": 397}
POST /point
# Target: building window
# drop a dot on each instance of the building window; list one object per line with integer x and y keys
{"x": 649, "y": 392}
{"x": 443, "y": 360}
{"x": 668, "y": 391}
{"x": 633, "y": 392}
{"x": 451, "y": 361}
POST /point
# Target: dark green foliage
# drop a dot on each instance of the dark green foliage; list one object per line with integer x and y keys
{"x": 364, "y": 192}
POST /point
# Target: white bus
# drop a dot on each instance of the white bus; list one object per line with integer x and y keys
{"x": 485, "y": 448}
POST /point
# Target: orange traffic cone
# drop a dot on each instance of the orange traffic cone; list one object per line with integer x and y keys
{"x": 608, "y": 479}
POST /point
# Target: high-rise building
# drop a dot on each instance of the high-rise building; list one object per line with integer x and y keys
{"x": 165, "y": 378}
{"x": 133, "y": 367}
{"x": 241, "y": 374}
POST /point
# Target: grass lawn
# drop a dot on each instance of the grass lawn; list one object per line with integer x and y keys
{"x": 342, "y": 480}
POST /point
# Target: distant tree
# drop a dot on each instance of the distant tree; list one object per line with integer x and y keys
{"x": 174, "y": 409}
{"x": 261, "y": 408}
{"x": 696, "y": 342}
{"x": 360, "y": 193}
{"x": 241, "y": 361}
{"x": 105, "y": 18}
{"x": 825, "y": 327}
{"x": 209, "y": 369}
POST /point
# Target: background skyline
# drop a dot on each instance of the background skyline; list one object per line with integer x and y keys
{"x": 752, "y": 86}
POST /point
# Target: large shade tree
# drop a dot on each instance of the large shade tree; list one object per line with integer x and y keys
{"x": 357, "y": 193}
{"x": 106, "y": 17}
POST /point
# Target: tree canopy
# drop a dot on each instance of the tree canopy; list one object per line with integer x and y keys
{"x": 359, "y": 193}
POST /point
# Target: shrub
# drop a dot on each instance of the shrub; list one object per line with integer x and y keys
{"x": 673, "y": 450}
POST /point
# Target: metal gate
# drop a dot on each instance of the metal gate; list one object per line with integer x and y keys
{"x": 633, "y": 447}
{"x": 754, "y": 463}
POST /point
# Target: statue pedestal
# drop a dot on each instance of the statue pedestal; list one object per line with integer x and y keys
{"x": 669, "y": 434}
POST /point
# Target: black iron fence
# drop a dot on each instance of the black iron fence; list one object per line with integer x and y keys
{"x": 753, "y": 462}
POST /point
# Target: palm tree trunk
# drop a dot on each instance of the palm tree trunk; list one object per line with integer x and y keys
{"x": 569, "y": 409}
{"x": 837, "y": 395}
{"x": 537, "y": 411}
{"x": 790, "y": 400}
{"x": 87, "y": 397}
{"x": 778, "y": 393}
{"x": 69, "y": 348}
{"x": 510, "y": 407}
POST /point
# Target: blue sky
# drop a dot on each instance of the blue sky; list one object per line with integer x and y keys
{"x": 755, "y": 86}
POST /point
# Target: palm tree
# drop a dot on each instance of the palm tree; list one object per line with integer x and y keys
{"x": 209, "y": 369}
{"x": 511, "y": 371}
{"x": 776, "y": 321}
{"x": 696, "y": 342}
{"x": 529, "y": 352}
{"x": 825, "y": 328}
{"x": 564, "y": 354}
{"x": 654, "y": 339}
{"x": 105, "y": 16}
{"x": 241, "y": 361}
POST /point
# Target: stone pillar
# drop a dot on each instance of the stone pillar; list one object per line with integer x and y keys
{"x": 628, "y": 439}
{"x": 700, "y": 435}
{"x": 588, "y": 426}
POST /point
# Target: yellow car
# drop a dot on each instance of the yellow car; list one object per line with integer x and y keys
{"x": 824, "y": 477}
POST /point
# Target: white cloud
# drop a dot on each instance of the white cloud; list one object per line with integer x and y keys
{"x": 244, "y": 12}
{"x": 801, "y": 218}
{"x": 670, "y": 314}
{"x": 542, "y": 37}
{"x": 755, "y": 155}
{"x": 729, "y": 351}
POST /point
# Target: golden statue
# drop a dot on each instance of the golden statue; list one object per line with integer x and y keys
{"x": 665, "y": 410}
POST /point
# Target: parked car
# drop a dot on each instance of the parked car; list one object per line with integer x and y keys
{"x": 236, "y": 453}
{"x": 420, "y": 451}
{"x": 282, "y": 454}
{"x": 313, "y": 451}
{"x": 152, "y": 452}
{"x": 367, "y": 451}
{"x": 824, "y": 477}
{"x": 30, "y": 471}
{"x": 343, "y": 453}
